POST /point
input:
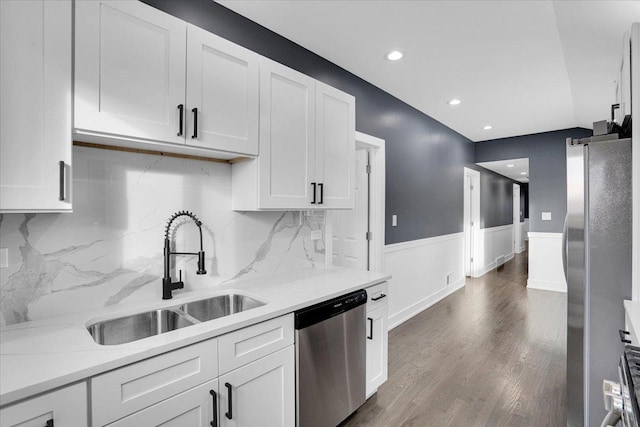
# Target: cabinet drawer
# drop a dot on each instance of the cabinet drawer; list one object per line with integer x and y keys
{"x": 246, "y": 345}
{"x": 377, "y": 296}
{"x": 132, "y": 388}
{"x": 63, "y": 407}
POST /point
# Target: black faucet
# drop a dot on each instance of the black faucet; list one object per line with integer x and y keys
{"x": 167, "y": 284}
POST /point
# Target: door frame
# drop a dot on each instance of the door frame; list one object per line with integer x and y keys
{"x": 471, "y": 215}
{"x": 516, "y": 220}
{"x": 377, "y": 159}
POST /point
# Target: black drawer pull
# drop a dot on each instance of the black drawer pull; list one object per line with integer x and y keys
{"x": 181, "y": 118}
{"x": 195, "y": 123}
{"x": 321, "y": 185}
{"x": 229, "y": 413}
{"x": 622, "y": 334}
{"x": 313, "y": 201}
{"x": 379, "y": 298}
{"x": 214, "y": 398}
{"x": 62, "y": 183}
{"x": 370, "y": 336}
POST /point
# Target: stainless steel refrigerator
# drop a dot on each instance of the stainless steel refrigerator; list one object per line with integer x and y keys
{"x": 597, "y": 262}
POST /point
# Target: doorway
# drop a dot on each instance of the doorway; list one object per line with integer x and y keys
{"x": 355, "y": 237}
{"x": 517, "y": 239}
{"x": 471, "y": 220}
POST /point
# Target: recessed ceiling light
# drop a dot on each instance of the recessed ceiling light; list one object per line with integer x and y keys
{"x": 510, "y": 166}
{"x": 394, "y": 55}
{"x": 487, "y": 127}
{"x": 523, "y": 173}
{"x": 454, "y": 102}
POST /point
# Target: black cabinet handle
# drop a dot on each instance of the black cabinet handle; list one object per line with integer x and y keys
{"x": 370, "y": 336}
{"x": 313, "y": 202}
{"x": 195, "y": 123}
{"x": 229, "y": 413}
{"x": 321, "y": 185}
{"x": 378, "y": 298}
{"x": 49, "y": 423}
{"x": 214, "y": 398}
{"x": 62, "y": 183}
{"x": 181, "y": 118}
{"x": 622, "y": 334}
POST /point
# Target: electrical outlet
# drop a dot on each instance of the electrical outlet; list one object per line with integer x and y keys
{"x": 4, "y": 257}
{"x": 394, "y": 220}
{"x": 316, "y": 234}
{"x": 546, "y": 216}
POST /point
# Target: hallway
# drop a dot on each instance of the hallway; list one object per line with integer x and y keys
{"x": 491, "y": 354}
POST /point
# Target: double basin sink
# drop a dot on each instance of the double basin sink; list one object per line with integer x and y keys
{"x": 149, "y": 323}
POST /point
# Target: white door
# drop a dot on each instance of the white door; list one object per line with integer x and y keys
{"x": 222, "y": 91}
{"x": 261, "y": 393}
{"x": 349, "y": 227}
{"x": 516, "y": 219}
{"x": 63, "y": 407}
{"x": 129, "y": 70}
{"x": 335, "y": 146}
{"x": 287, "y": 138}
{"x": 377, "y": 348}
{"x": 194, "y": 407}
{"x": 471, "y": 218}
{"x": 35, "y": 106}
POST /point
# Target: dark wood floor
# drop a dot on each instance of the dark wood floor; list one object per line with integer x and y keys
{"x": 491, "y": 354}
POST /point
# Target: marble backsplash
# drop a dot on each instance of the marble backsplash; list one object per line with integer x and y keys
{"x": 110, "y": 249}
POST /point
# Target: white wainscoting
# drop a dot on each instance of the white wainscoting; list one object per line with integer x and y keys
{"x": 420, "y": 269}
{"x": 524, "y": 230}
{"x": 494, "y": 248}
{"x": 545, "y": 262}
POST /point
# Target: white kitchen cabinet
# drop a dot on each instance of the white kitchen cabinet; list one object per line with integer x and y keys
{"x": 377, "y": 337}
{"x": 222, "y": 92}
{"x": 261, "y": 393}
{"x": 35, "y": 106}
{"x": 145, "y": 79}
{"x": 307, "y": 145}
{"x": 194, "y": 407}
{"x": 66, "y": 407}
{"x": 129, "y": 389}
{"x": 129, "y": 70}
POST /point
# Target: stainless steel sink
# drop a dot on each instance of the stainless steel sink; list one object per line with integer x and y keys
{"x": 219, "y": 306}
{"x": 137, "y": 326}
{"x": 143, "y": 325}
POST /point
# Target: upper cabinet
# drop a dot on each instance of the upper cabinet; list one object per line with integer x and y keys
{"x": 35, "y": 106}
{"x": 307, "y": 146}
{"x": 143, "y": 76}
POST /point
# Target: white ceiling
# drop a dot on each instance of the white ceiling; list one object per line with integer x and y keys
{"x": 521, "y": 66}
{"x": 518, "y": 171}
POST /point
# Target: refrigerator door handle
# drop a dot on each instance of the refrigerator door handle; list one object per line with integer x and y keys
{"x": 564, "y": 247}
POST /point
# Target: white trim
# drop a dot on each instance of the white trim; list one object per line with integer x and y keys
{"x": 540, "y": 235}
{"x": 419, "y": 306}
{"x": 635, "y": 161}
{"x": 497, "y": 228}
{"x": 395, "y": 247}
{"x": 546, "y": 285}
{"x": 471, "y": 214}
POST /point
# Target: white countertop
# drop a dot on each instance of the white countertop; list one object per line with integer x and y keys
{"x": 42, "y": 355}
{"x": 633, "y": 310}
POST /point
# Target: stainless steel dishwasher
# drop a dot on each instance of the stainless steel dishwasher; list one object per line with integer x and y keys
{"x": 330, "y": 360}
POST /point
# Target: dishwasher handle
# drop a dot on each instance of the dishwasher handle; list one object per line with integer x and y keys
{"x": 370, "y": 336}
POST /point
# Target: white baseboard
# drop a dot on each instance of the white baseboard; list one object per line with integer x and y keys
{"x": 419, "y": 306}
{"x": 487, "y": 268}
{"x": 545, "y": 285}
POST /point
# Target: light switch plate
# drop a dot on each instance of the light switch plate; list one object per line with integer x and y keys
{"x": 546, "y": 216}
{"x": 394, "y": 220}
{"x": 316, "y": 234}
{"x": 4, "y": 257}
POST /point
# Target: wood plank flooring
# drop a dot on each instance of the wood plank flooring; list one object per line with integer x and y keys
{"x": 491, "y": 354}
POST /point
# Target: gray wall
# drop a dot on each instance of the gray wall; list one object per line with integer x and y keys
{"x": 425, "y": 159}
{"x": 547, "y": 171}
{"x": 524, "y": 201}
{"x": 496, "y": 199}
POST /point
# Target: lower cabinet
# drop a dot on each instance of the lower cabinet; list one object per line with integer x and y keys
{"x": 66, "y": 407}
{"x": 261, "y": 393}
{"x": 377, "y": 337}
{"x": 195, "y": 407}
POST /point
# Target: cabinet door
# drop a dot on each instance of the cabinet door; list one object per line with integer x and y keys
{"x": 35, "y": 106}
{"x": 335, "y": 147}
{"x": 262, "y": 392}
{"x": 222, "y": 87}
{"x": 377, "y": 349}
{"x": 129, "y": 70}
{"x": 65, "y": 407}
{"x": 287, "y": 137}
{"x": 194, "y": 407}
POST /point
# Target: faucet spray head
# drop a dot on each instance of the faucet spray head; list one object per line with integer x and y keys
{"x": 201, "y": 269}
